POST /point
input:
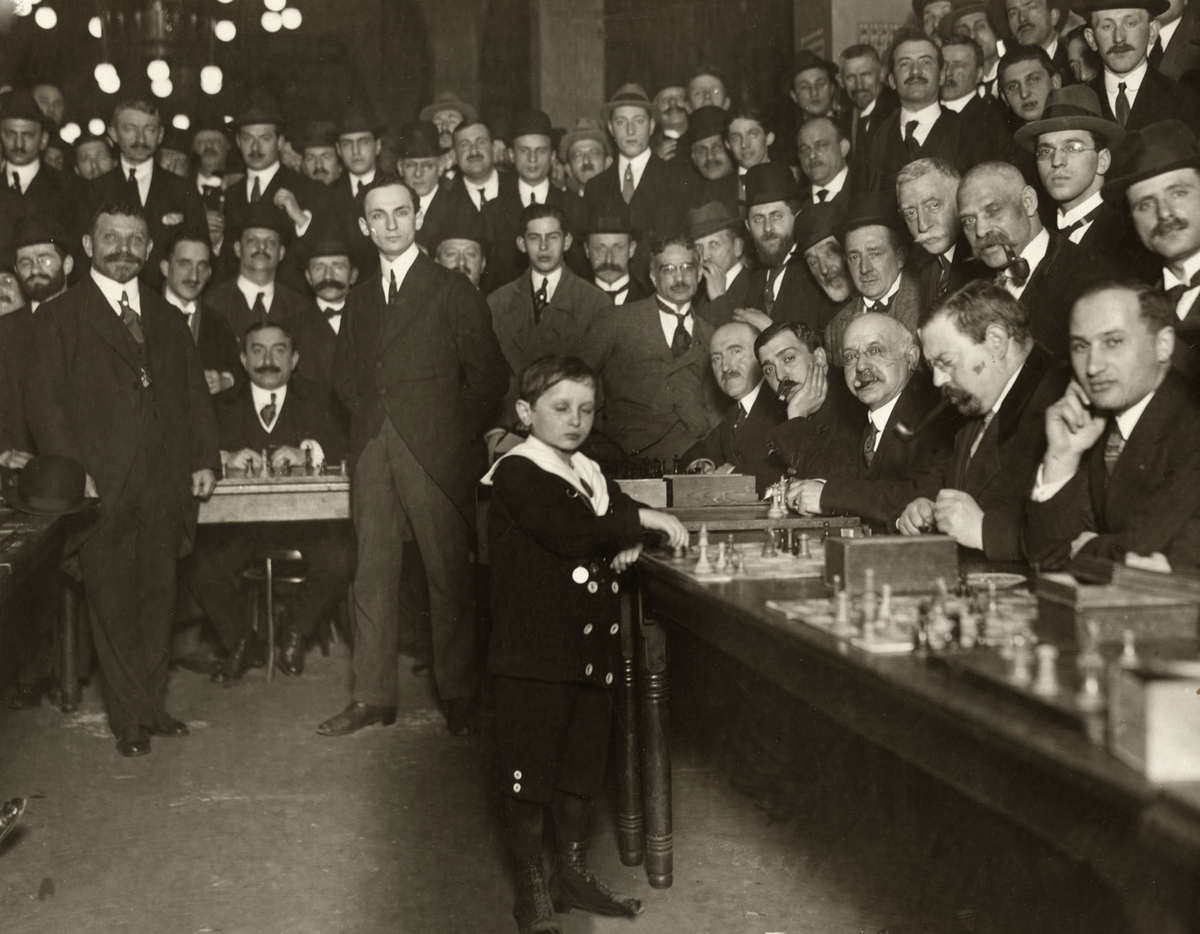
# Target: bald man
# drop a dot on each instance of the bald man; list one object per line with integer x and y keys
{"x": 880, "y": 364}
{"x": 1043, "y": 271}
{"x": 740, "y": 439}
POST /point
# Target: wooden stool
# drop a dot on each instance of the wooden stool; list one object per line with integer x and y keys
{"x": 269, "y": 573}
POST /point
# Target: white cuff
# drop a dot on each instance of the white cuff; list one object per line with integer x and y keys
{"x": 303, "y": 226}
{"x": 1043, "y": 491}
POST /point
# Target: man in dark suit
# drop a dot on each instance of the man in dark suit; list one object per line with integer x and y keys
{"x": 1118, "y": 479}
{"x": 169, "y": 202}
{"x": 358, "y": 147}
{"x": 873, "y": 242}
{"x": 1073, "y": 144}
{"x": 290, "y": 421}
{"x": 921, "y": 127}
{"x": 748, "y": 137}
{"x": 940, "y": 259}
{"x": 24, "y": 135}
{"x": 999, "y": 213}
{"x": 463, "y": 243}
{"x": 740, "y": 439}
{"x": 880, "y": 363}
{"x": 984, "y": 360}
{"x": 494, "y": 195}
{"x": 1035, "y": 23}
{"x": 16, "y": 352}
{"x": 1027, "y": 79}
{"x": 812, "y": 91}
{"x": 720, "y": 239}
{"x": 1130, "y": 91}
{"x": 117, "y": 386}
{"x": 782, "y": 288}
{"x": 545, "y": 311}
{"x": 639, "y": 186}
{"x": 418, "y": 166}
{"x": 317, "y": 144}
{"x": 1176, "y": 51}
{"x": 419, "y": 369}
{"x": 652, "y": 359}
{"x": 705, "y": 144}
{"x": 817, "y": 236}
{"x": 41, "y": 258}
{"x": 822, "y": 149}
{"x": 983, "y": 113}
{"x": 257, "y": 295}
{"x": 584, "y": 152}
{"x": 186, "y": 268}
{"x": 873, "y": 99}
{"x": 610, "y": 247}
{"x": 972, "y": 19}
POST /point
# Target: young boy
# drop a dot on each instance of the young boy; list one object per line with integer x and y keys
{"x": 559, "y": 539}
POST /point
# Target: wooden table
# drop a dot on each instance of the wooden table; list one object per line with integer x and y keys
{"x": 277, "y": 499}
{"x": 754, "y": 518}
{"x": 1047, "y": 778}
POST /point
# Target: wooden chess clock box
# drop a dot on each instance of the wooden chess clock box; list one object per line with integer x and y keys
{"x": 910, "y": 564}
{"x": 1065, "y": 607}
{"x": 1154, "y": 720}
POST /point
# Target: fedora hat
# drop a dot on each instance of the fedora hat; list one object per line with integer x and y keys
{"x": 464, "y": 223}
{"x": 316, "y": 134}
{"x": 419, "y": 140}
{"x": 36, "y": 229}
{"x": 448, "y": 100}
{"x": 770, "y": 181}
{"x": 710, "y": 218}
{"x": 49, "y": 485}
{"x": 1075, "y": 107}
{"x": 20, "y": 105}
{"x": 1154, "y": 149}
{"x": 629, "y": 95}
{"x": 531, "y": 123}
{"x": 585, "y": 128}
{"x": 266, "y": 215}
{"x": 1086, "y": 8}
{"x": 358, "y": 118}
{"x": 817, "y": 223}
{"x": 609, "y": 224}
{"x": 259, "y": 112}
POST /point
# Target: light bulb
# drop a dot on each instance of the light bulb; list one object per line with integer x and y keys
{"x": 46, "y": 17}
{"x": 272, "y": 21}
{"x": 211, "y": 79}
{"x": 70, "y": 132}
{"x": 158, "y": 70}
{"x": 291, "y": 18}
{"x": 162, "y": 88}
{"x": 181, "y": 121}
{"x": 275, "y": 6}
{"x": 96, "y": 126}
{"x": 95, "y": 28}
{"x": 225, "y": 30}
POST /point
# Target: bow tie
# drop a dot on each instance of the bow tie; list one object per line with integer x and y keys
{"x": 1016, "y": 272}
{"x": 331, "y": 312}
{"x": 1086, "y": 219}
{"x": 1175, "y": 292}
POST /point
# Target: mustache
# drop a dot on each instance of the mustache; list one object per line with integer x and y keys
{"x": 268, "y": 368}
{"x": 916, "y": 79}
{"x": 994, "y": 238}
{"x": 328, "y": 284}
{"x": 1162, "y": 228}
{"x": 122, "y": 256}
{"x": 956, "y": 397}
{"x": 865, "y": 376}
{"x": 1120, "y": 48}
{"x": 608, "y": 267}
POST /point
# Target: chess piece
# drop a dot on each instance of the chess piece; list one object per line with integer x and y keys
{"x": 738, "y": 562}
{"x": 703, "y": 539}
{"x": 343, "y": 467}
{"x": 768, "y": 548}
{"x": 825, "y": 531}
{"x": 702, "y": 565}
{"x": 680, "y": 551}
{"x": 777, "y": 509}
{"x": 938, "y": 626}
{"x": 790, "y": 543}
{"x": 968, "y": 629}
{"x": 721, "y": 564}
{"x": 992, "y": 624}
{"x": 1046, "y": 682}
{"x": 1129, "y": 654}
{"x": 805, "y": 548}
{"x": 868, "y": 600}
{"x": 1021, "y": 660}
{"x": 224, "y": 470}
{"x": 1091, "y": 666}
{"x": 308, "y": 461}
{"x": 841, "y": 622}
{"x": 883, "y": 617}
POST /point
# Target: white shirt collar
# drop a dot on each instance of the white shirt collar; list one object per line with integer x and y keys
{"x": 1166, "y": 32}
{"x": 1052, "y": 48}
{"x": 250, "y": 292}
{"x": 1034, "y": 253}
{"x": 188, "y": 308}
{"x": 959, "y": 103}
{"x": 949, "y": 254}
{"x": 264, "y": 176}
{"x": 1132, "y": 81}
{"x": 331, "y": 306}
{"x": 1080, "y": 211}
{"x": 583, "y": 473}
{"x": 426, "y": 200}
{"x": 26, "y": 173}
{"x": 870, "y": 108}
{"x": 670, "y": 321}
{"x": 491, "y": 188}
{"x": 879, "y": 417}
{"x": 365, "y": 179}
{"x": 552, "y": 280}
{"x": 207, "y": 181}
{"x": 834, "y": 187}
{"x": 747, "y": 401}
{"x": 400, "y": 265}
{"x": 886, "y": 296}
{"x": 1127, "y": 420}
{"x": 1012, "y": 381}
{"x": 926, "y": 117}
{"x": 638, "y": 163}
{"x": 542, "y": 190}
{"x": 262, "y": 397}
{"x": 1191, "y": 266}
{"x": 112, "y": 290}
{"x": 142, "y": 171}
{"x": 616, "y": 286}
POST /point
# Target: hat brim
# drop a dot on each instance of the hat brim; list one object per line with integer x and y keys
{"x": 1116, "y": 188}
{"x": 892, "y": 222}
{"x": 947, "y": 23}
{"x": 609, "y": 107}
{"x": 468, "y": 112}
{"x": 578, "y": 136}
{"x": 1153, "y": 7}
{"x": 708, "y": 228}
{"x": 1111, "y": 132}
{"x": 14, "y": 498}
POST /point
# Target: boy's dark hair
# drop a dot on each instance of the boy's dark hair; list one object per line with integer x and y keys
{"x": 545, "y": 372}
{"x": 537, "y": 212}
{"x": 385, "y": 181}
{"x": 806, "y": 335}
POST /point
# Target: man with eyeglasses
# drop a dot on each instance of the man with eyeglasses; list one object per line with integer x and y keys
{"x": 987, "y": 365}
{"x": 875, "y": 248}
{"x": 880, "y": 364}
{"x": 1130, "y": 91}
{"x": 652, "y": 358}
{"x": 707, "y": 88}
{"x": 1072, "y": 145}
{"x": 42, "y": 262}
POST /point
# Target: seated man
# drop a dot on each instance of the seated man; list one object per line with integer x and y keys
{"x": 1118, "y": 479}
{"x": 984, "y": 359}
{"x": 817, "y": 439}
{"x": 740, "y": 440}
{"x": 880, "y": 362}
{"x": 288, "y": 420}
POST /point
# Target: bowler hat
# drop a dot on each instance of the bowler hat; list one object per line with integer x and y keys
{"x": 419, "y": 140}
{"x": 34, "y": 229}
{"x": 770, "y": 181}
{"x": 871, "y": 209}
{"x": 805, "y": 60}
{"x": 20, "y": 105}
{"x": 266, "y": 215}
{"x": 328, "y": 242}
{"x": 818, "y": 223}
{"x": 178, "y": 140}
{"x": 705, "y": 122}
{"x": 259, "y": 112}
{"x": 1075, "y": 107}
{"x": 1087, "y": 7}
{"x": 49, "y": 485}
{"x": 584, "y": 128}
{"x": 464, "y": 223}
{"x": 448, "y": 100}
{"x": 629, "y": 95}
{"x": 358, "y": 118}
{"x": 531, "y": 123}
{"x": 710, "y": 218}
{"x": 1154, "y": 149}
{"x": 209, "y": 119}
{"x": 316, "y": 134}
{"x": 609, "y": 224}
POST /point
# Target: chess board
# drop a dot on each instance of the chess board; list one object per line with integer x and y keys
{"x": 755, "y": 566}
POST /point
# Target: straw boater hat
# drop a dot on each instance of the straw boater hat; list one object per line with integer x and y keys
{"x": 1075, "y": 107}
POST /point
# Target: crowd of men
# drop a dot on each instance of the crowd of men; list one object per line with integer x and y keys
{"x": 948, "y": 287}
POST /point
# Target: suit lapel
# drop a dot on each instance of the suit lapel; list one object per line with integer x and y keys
{"x": 107, "y": 325}
{"x": 409, "y": 301}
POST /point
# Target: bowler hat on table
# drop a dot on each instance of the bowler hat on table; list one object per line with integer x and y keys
{"x": 49, "y": 485}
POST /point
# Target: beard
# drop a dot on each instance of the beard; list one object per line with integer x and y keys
{"x": 772, "y": 252}
{"x": 40, "y": 288}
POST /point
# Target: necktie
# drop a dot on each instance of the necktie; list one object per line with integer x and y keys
{"x": 627, "y": 188}
{"x": 1156, "y": 53}
{"x": 1113, "y": 447}
{"x": 255, "y": 190}
{"x": 739, "y": 419}
{"x": 980, "y": 432}
{"x": 773, "y": 275}
{"x": 681, "y": 340}
{"x": 358, "y": 190}
{"x": 613, "y": 294}
{"x": 130, "y": 319}
{"x": 943, "y": 282}
{"x": 1086, "y": 219}
{"x": 482, "y": 197}
{"x": 267, "y": 412}
{"x": 260, "y": 306}
{"x": 16, "y": 183}
{"x": 533, "y": 197}
{"x": 540, "y": 299}
{"x": 1122, "y": 105}
{"x": 393, "y": 289}
{"x": 822, "y": 194}
{"x": 910, "y": 136}
{"x": 133, "y": 187}
{"x": 869, "y": 436}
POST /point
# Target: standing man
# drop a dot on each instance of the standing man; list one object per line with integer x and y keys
{"x": 330, "y": 273}
{"x": 118, "y": 387}
{"x": 961, "y": 78}
{"x": 42, "y": 262}
{"x": 873, "y": 98}
{"x": 609, "y": 248}
{"x": 971, "y": 18}
{"x": 585, "y": 153}
{"x": 1035, "y": 23}
{"x": 23, "y": 136}
{"x": 822, "y": 152}
{"x": 420, "y": 371}
{"x": 186, "y": 269}
{"x": 705, "y": 145}
{"x": 1176, "y": 52}
{"x": 418, "y": 166}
